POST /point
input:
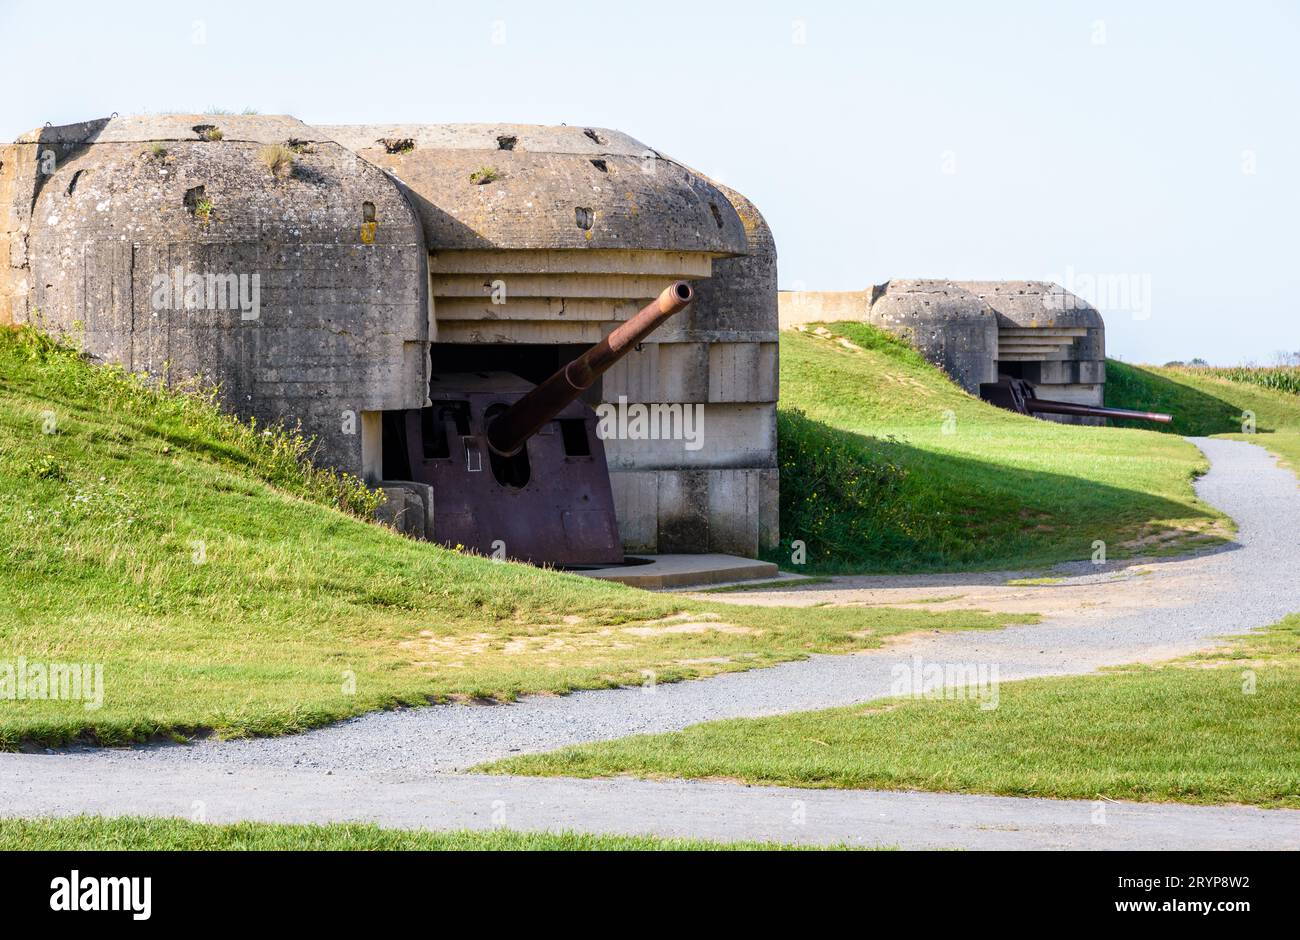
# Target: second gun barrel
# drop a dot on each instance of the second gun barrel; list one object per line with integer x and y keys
{"x": 1043, "y": 406}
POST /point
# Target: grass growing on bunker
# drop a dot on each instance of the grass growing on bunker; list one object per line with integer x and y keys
{"x": 213, "y": 576}
{"x": 138, "y": 834}
{"x": 887, "y": 466}
{"x": 278, "y": 158}
{"x": 1217, "y": 727}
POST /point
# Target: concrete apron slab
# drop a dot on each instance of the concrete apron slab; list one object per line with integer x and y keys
{"x": 673, "y": 571}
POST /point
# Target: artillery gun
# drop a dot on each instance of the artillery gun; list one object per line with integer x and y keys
{"x": 518, "y": 468}
{"x": 1021, "y": 396}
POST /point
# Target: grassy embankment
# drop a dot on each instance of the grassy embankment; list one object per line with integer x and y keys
{"x": 1214, "y": 402}
{"x": 220, "y": 586}
{"x": 1217, "y": 727}
{"x": 887, "y": 466}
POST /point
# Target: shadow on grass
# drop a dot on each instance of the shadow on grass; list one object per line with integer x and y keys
{"x": 877, "y": 505}
{"x": 1196, "y": 413}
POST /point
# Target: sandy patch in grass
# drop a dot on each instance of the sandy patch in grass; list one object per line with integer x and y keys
{"x": 431, "y": 650}
{"x": 1172, "y": 536}
{"x": 689, "y": 623}
{"x": 1106, "y": 594}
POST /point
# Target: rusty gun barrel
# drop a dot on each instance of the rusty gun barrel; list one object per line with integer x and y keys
{"x": 1020, "y": 396}
{"x": 1043, "y": 406}
{"x": 507, "y": 434}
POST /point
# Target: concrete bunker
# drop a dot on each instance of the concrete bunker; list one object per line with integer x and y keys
{"x": 387, "y": 266}
{"x": 981, "y": 332}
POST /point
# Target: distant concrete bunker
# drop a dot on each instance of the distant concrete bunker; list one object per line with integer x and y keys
{"x": 389, "y": 280}
{"x": 981, "y": 331}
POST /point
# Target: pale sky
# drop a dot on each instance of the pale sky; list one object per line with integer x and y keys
{"x": 1147, "y": 146}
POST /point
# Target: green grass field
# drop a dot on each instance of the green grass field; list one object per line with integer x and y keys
{"x": 224, "y": 586}
{"x": 1277, "y": 378}
{"x": 221, "y": 587}
{"x": 97, "y": 834}
{"x": 1219, "y": 727}
{"x": 1209, "y": 402}
{"x": 887, "y": 466}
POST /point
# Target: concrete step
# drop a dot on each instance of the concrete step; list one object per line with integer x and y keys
{"x": 672, "y": 571}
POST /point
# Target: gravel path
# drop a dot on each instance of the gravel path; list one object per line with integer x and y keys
{"x": 394, "y": 766}
{"x": 34, "y": 785}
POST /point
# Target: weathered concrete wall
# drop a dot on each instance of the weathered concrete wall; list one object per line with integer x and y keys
{"x": 952, "y": 328}
{"x": 551, "y": 188}
{"x": 680, "y": 510}
{"x": 800, "y": 307}
{"x": 18, "y": 178}
{"x": 126, "y": 255}
{"x": 723, "y": 352}
{"x": 408, "y": 507}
